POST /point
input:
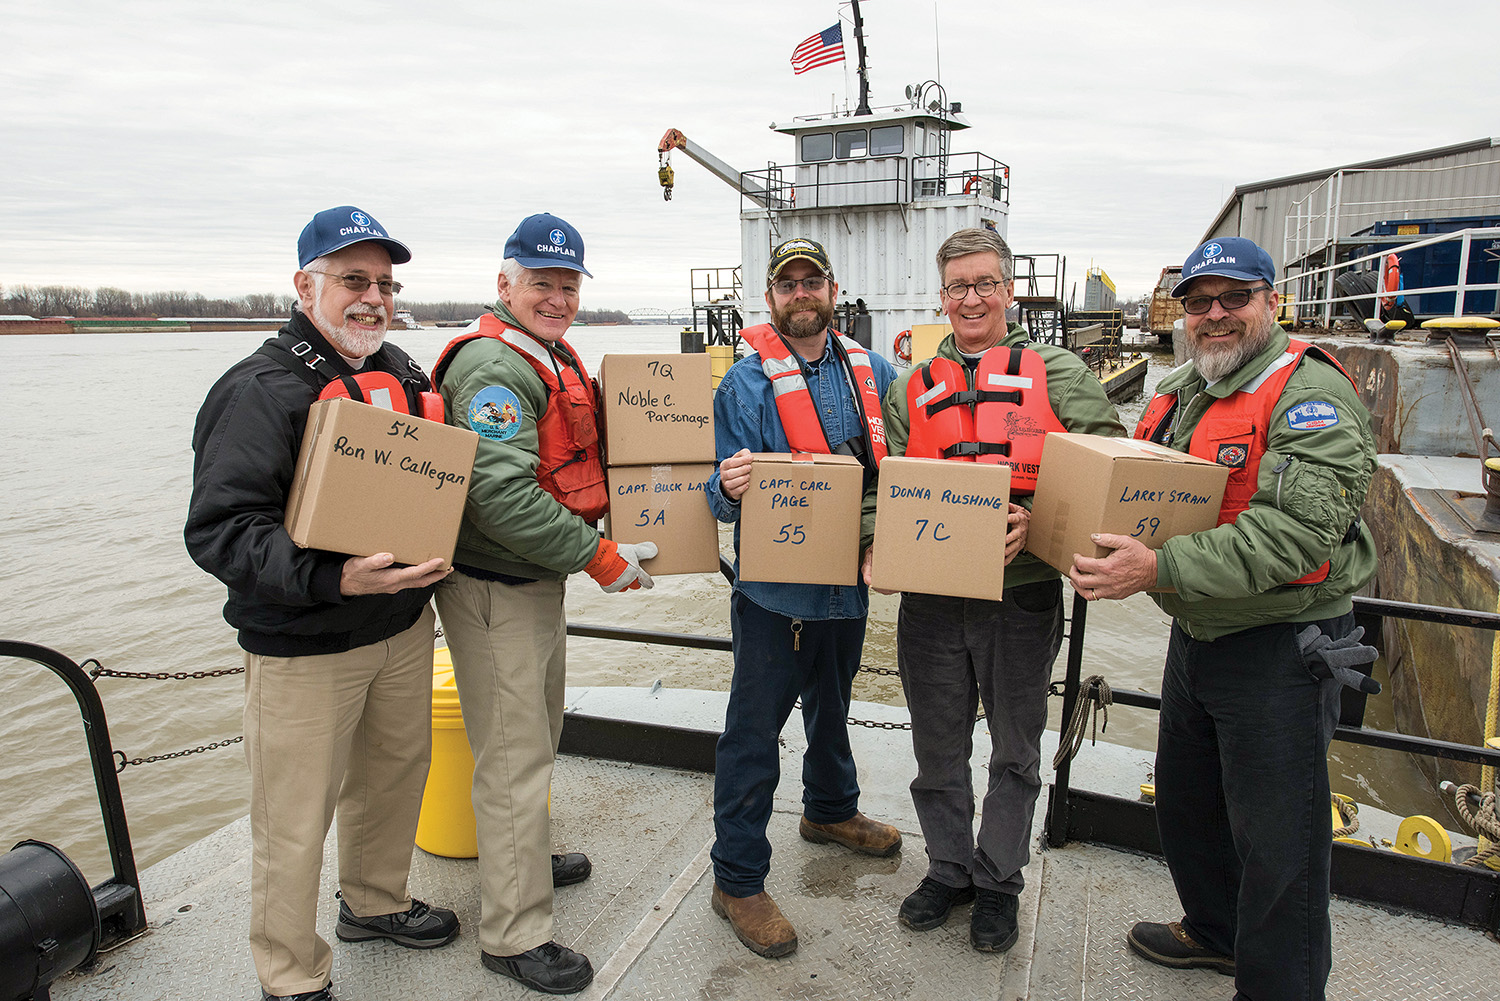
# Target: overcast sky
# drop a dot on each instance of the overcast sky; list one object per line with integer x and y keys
{"x": 158, "y": 144}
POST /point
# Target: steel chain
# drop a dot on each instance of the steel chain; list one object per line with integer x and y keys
{"x": 121, "y": 761}
{"x": 100, "y": 671}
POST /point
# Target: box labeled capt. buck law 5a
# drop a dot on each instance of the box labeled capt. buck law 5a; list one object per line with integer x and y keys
{"x": 799, "y": 518}
{"x": 667, "y": 505}
{"x": 940, "y": 527}
{"x": 370, "y": 480}
{"x": 1088, "y": 484}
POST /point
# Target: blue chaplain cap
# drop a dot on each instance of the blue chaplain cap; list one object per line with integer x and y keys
{"x": 336, "y": 228}
{"x": 545, "y": 241}
{"x": 1231, "y": 257}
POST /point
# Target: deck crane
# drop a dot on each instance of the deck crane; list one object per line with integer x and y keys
{"x": 674, "y": 139}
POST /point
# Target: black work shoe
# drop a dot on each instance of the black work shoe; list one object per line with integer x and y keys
{"x": 420, "y": 926}
{"x": 927, "y": 907}
{"x": 321, "y": 994}
{"x": 574, "y": 867}
{"x": 1170, "y": 945}
{"x": 550, "y": 968}
{"x": 992, "y": 924}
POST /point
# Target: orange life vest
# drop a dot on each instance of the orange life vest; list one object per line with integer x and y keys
{"x": 569, "y": 465}
{"x": 1233, "y": 431}
{"x": 794, "y": 404}
{"x": 1003, "y": 419}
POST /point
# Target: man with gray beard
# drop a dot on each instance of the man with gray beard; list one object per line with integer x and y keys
{"x": 338, "y": 648}
{"x": 1263, "y": 632}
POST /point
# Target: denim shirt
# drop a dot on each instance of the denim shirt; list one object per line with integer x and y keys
{"x": 745, "y": 417}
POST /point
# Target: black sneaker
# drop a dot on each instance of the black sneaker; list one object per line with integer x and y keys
{"x": 1169, "y": 944}
{"x": 321, "y": 994}
{"x": 992, "y": 925}
{"x": 574, "y": 867}
{"x": 927, "y": 907}
{"x": 550, "y": 968}
{"x": 420, "y": 926}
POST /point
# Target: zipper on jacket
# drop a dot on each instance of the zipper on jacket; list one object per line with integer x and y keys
{"x": 1279, "y": 469}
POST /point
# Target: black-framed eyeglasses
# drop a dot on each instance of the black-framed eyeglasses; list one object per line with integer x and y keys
{"x": 1235, "y": 298}
{"x": 960, "y": 290}
{"x": 358, "y": 283}
{"x": 786, "y": 286}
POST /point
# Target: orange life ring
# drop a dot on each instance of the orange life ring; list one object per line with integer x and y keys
{"x": 971, "y": 184}
{"x": 903, "y": 347}
{"x": 1391, "y": 281}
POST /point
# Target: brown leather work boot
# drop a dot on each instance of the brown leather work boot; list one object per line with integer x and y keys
{"x": 757, "y": 922}
{"x": 858, "y": 832}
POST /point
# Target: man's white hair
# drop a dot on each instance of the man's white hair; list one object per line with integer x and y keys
{"x": 515, "y": 272}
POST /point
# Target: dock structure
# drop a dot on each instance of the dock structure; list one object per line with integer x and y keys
{"x": 644, "y": 916}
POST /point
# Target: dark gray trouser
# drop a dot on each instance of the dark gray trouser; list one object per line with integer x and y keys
{"x": 955, "y": 653}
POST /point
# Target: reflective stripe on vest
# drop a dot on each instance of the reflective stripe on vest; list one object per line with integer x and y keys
{"x": 1004, "y": 420}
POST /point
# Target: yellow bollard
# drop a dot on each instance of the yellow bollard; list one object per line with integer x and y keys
{"x": 446, "y": 825}
{"x": 1425, "y": 838}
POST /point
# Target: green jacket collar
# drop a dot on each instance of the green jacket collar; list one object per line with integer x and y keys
{"x": 1014, "y": 334}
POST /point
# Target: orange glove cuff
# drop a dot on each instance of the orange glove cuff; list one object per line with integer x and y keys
{"x": 607, "y": 564}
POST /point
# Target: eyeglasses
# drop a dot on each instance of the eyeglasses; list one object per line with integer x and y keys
{"x": 1235, "y": 298}
{"x": 358, "y": 283}
{"x": 960, "y": 290}
{"x": 786, "y": 286}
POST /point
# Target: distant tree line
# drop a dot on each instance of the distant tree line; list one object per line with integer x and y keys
{"x": 75, "y": 300}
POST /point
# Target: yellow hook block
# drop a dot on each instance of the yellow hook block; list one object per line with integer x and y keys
{"x": 1410, "y": 835}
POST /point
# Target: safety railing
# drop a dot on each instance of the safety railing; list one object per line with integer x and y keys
{"x": 874, "y": 180}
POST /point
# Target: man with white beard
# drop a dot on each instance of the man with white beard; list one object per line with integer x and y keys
{"x": 338, "y": 648}
{"x": 1263, "y": 632}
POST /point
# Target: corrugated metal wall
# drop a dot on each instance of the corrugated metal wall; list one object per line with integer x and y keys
{"x": 1466, "y": 183}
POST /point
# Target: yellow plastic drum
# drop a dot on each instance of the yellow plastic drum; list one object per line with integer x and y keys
{"x": 446, "y": 825}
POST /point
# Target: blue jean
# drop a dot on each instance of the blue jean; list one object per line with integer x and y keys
{"x": 773, "y": 667}
{"x": 1242, "y": 803}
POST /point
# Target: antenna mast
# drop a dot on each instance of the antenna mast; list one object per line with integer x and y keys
{"x": 864, "y": 74}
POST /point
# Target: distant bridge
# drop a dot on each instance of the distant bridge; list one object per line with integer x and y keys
{"x": 648, "y": 314}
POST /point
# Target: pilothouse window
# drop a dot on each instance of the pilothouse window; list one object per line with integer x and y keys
{"x": 850, "y": 142}
{"x": 817, "y": 146}
{"x": 886, "y": 140}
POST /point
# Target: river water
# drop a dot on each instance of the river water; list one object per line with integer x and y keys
{"x": 98, "y": 468}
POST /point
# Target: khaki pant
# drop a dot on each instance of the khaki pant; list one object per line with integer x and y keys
{"x": 509, "y": 648}
{"x": 352, "y": 730}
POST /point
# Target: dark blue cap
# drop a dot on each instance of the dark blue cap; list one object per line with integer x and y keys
{"x": 545, "y": 241}
{"x": 1232, "y": 257}
{"x": 335, "y": 229}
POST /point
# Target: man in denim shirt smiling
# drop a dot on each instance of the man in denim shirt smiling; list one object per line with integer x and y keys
{"x": 791, "y": 640}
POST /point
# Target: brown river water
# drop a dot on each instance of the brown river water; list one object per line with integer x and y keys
{"x": 97, "y": 463}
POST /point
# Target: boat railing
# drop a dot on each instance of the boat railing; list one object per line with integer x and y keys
{"x": 1466, "y": 894}
{"x": 874, "y": 180}
{"x": 118, "y": 899}
{"x": 1309, "y": 283}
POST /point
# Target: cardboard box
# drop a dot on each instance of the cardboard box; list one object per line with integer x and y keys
{"x": 370, "y": 480}
{"x": 657, "y": 409}
{"x": 1122, "y": 486}
{"x": 799, "y": 519}
{"x": 665, "y": 504}
{"x": 940, "y": 527}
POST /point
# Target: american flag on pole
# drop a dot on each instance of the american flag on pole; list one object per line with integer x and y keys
{"x": 827, "y": 46}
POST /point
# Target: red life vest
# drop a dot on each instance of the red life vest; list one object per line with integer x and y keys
{"x": 794, "y": 404}
{"x": 1003, "y": 420}
{"x": 1233, "y": 431}
{"x": 569, "y": 466}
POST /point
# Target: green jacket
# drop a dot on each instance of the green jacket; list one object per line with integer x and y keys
{"x": 511, "y": 525}
{"x": 1076, "y": 396}
{"x": 1231, "y": 577}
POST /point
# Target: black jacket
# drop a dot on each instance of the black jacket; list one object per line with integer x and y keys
{"x": 284, "y": 600}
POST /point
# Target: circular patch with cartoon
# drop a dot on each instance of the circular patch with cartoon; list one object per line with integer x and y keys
{"x": 495, "y": 413}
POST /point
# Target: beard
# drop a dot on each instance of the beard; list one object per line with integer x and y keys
{"x": 793, "y": 322}
{"x": 349, "y": 339}
{"x": 1215, "y": 361}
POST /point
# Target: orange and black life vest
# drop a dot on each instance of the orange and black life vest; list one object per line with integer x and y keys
{"x": 569, "y": 464}
{"x": 1003, "y": 419}
{"x": 404, "y": 393}
{"x": 1233, "y": 431}
{"x": 794, "y": 403}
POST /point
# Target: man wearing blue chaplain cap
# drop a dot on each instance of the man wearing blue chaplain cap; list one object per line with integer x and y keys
{"x": 338, "y": 648}
{"x": 1263, "y": 633}
{"x": 537, "y": 489}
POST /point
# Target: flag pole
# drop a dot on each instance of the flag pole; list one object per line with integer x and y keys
{"x": 864, "y": 75}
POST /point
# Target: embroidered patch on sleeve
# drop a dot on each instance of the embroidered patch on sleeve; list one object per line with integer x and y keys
{"x": 495, "y": 413}
{"x": 1312, "y": 416}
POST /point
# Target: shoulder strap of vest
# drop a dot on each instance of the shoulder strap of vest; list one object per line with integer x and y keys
{"x": 302, "y": 360}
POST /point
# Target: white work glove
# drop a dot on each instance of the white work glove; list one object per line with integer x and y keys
{"x": 618, "y": 567}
